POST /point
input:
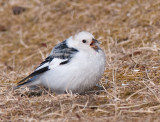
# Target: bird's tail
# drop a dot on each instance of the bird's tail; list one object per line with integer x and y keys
{"x": 27, "y": 81}
{"x": 23, "y": 82}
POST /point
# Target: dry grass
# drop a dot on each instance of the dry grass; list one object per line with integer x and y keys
{"x": 130, "y": 34}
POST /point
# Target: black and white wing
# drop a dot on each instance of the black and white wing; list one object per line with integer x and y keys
{"x": 61, "y": 54}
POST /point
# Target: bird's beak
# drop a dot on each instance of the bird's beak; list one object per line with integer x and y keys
{"x": 94, "y": 44}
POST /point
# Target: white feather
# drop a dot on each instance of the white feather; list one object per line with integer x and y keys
{"x": 56, "y": 62}
{"x": 82, "y": 73}
{"x": 44, "y": 65}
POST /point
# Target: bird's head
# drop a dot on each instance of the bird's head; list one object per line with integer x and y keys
{"x": 84, "y": 41}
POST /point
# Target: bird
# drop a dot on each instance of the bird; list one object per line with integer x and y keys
{"x": 74, "y": 65}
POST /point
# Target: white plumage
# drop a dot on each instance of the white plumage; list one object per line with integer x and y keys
{"x": 74, "y": 65}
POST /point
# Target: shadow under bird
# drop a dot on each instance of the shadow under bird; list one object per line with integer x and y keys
{"x": 74, "y": 65}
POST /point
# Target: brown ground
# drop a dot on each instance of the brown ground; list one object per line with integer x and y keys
{"x": 130, "y": 34}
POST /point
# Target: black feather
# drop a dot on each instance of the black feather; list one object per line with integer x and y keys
{"x": 48, "y": 59}
{"x": 64, "y": 62}
{"x": 62, "y": 51}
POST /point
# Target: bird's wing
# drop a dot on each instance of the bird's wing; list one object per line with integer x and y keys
{"x": 61, "y": 54}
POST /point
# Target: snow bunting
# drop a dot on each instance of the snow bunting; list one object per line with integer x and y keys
{"x": 74, "y": 65}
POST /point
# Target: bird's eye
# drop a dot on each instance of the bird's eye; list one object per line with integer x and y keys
{"x": 84, "y": 41}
